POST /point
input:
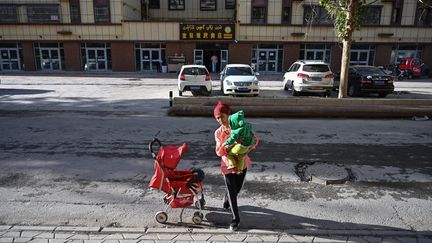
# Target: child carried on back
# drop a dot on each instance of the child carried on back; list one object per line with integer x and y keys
{"x": 239, "y": 142}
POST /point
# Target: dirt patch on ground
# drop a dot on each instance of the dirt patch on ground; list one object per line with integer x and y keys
{"x": 16, "y": 180}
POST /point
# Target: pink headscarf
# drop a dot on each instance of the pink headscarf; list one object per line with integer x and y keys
{"x": 221, "y": 108}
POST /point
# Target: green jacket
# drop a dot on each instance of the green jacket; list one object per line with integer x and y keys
{"x": 241, "y": 131}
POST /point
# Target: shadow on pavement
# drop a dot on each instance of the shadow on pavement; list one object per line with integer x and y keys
{"x": 23, "y": 91}
{"x": 259, "y": 218}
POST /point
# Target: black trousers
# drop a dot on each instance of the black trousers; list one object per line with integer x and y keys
{"x": 234, "y": 183}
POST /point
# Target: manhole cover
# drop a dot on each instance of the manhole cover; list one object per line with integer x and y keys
{"x": 327, "y": 174}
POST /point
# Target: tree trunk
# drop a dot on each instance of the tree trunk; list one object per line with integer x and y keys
{"x": 346, "y": 50}
{"x": 343, "y": 85}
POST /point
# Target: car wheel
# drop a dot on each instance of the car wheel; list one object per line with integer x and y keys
{"x": 293, "y": 91}
{"x": 196, "y": 93}
{"x": 352, "y": 91}
{"x": 180, "y": 93}
{"x": 327, "y": 93}
{"x": 382, "y": 95}
{"x": 285, "y": 87}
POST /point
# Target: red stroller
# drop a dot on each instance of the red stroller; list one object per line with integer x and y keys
{"x": 182, "y": 187}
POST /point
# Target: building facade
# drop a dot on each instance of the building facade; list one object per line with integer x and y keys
{"x": 140, "y": 35}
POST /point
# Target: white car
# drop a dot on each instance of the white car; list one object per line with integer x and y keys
{"x": 194, "y": 78}
{"x": 239, "y": 79}
{"x": 309, "y": 76}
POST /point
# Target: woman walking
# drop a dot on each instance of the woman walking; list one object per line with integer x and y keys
{"x": 233, "y": 179}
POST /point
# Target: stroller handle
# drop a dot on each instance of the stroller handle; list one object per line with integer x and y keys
{"x": 155, "y": 140}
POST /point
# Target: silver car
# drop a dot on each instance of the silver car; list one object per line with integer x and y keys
{"x": 309, "y": 76}
{"x": 239, "y": 79}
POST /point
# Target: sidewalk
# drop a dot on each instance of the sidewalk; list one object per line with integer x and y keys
{"x": 55, "y": 234}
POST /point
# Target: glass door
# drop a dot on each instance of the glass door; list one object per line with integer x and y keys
{"x": 272, "y": 60}
{"x": 267, "y": 60}
{"x": 96, "y": 59}
{"x": 359, "y": 57}
{"x": 224, "y": 59}
{"x": 150, "y": 59}
{"x": 50, "y": 59}
{"x": 315, "y": 55}
{"x": 199, "y": 57}
{"x": 9, "y": 59}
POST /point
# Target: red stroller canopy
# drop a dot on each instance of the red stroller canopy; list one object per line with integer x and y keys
{"x": 167, "y": 160}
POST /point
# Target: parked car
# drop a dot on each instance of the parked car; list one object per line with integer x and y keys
{"x": 194, "y": 78}
{"x": 369, "y": 79}
{"x": 309, "y": 76}
{"x": 239, "y": 79}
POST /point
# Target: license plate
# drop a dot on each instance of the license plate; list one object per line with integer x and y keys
{"x": 379, "y": 82}
{"x": 315, "y": 78}
{"x": 243, "y": 90}
{"x": 195, "y": 88}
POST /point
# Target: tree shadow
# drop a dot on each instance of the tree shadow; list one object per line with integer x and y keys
{"x": 23, "y": 91}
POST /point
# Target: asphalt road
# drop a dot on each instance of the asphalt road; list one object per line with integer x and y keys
{"x": 74, "y": 152}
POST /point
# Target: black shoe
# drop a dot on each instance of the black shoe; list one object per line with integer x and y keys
{"x": 234, "y": 225}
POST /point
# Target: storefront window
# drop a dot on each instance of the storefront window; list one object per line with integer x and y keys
{"x": 75, "y": 13}
{"x": 402, "y": 51}
{"x": 176, "y": 4}
{"x": 397, "y": 8}
{"x": 259, "y": 12}
{"x": 423, "y": 14}
{"x": 320, "y": 52}
{"x": 362, "y": 55}
{"x": 372, "y": 15}
{"x": 230, "y": 4}
{"x": 286, "y": 11}
{"x": 102, "y": 11}
{"x": 154, "y": 4}
{"x": 259, "y": 15}
{"x": 316, "y": 15}
{"x": 8, "y": 14}
{"x": 43, "y": 14}
{"x": 208, "y": 5}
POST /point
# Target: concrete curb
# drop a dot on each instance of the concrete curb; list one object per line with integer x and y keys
{"x": 306, "y": 107}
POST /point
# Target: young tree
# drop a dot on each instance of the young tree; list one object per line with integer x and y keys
{"x": 347, "y": 16}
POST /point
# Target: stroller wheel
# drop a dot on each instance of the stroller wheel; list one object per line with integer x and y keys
{"x": 161, "y": 217}
{"x": 200, "y": 203}
{"x": 197, "y": 218}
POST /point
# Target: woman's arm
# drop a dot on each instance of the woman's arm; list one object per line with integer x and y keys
{"x": 256, "y": 142}
{"x": 220, "y": 143}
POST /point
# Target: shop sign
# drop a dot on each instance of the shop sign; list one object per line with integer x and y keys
{"x": 207, "y": 32}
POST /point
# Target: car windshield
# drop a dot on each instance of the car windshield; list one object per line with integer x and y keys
{"x": 246, "y": 71}
{"x": 194, "y": 71}
{"x": 366, "y": 71}
{"x": 320, "y": 68}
